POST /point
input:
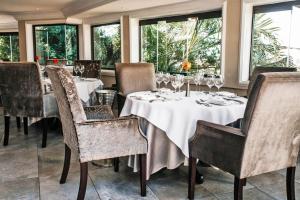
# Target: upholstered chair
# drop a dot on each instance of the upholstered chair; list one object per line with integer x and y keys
{"x": 260, "y": 70}
{"x": 92, "y": 68}
{"x": 23, "y": 96}
{"x": 268, "y": 140}
{"x": 93, "y": 139}
{"x": 133, "y": 77}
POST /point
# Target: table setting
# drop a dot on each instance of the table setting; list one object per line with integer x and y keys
{"x": 169, "y": 118}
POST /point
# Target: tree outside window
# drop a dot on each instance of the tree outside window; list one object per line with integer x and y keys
{"x": 9, "y": 47}
{"x": 56, "y": 42}
{"x": 107, "y": 45}
{"x": 166, "y": 43}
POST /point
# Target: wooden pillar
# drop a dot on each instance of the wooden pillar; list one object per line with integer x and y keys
{"x": 22, "y": 40}
{"x": 125, "y": 39}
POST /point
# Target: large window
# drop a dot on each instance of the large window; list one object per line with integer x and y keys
{"x": 106, "y": 44}
{"x": 275, "y": 35}
{"x": 9, "y": 46}
{"x": 59, "y": 41}
{"x": 166, "y": 42}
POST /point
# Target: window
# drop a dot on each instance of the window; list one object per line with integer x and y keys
{"x": 275, "y": 35}
{"x": 106, "y": 44}
{"x": 9, "y": 47}
{"x": 166, "y": 42}
{"x": 59, "y": 41}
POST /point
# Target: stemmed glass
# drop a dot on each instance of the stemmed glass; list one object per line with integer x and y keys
{"x": 159, "y": 78}
{"x": 174, "y": 83}
{"x": 210, "y": 82}
{"x": 81, "y": 69}
{"x": 180, "y": 80}
{"x": 219, "y": 81}
{"x": 166, "y": 78}
{"x": 76, "y": 69}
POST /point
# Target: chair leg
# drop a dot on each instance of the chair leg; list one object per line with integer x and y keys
{"x": 290, "y": 183}
{"x": 192, "y": 177}
{"x": 25, "y": 124}
{"x": 66, "y": 168}
{"x": 6, "y": 130}
{"x": 116, "y": 164}
{"x": 18, "y": 119}
{"x": 83, "y": 180}
{"x": 45, "y": 129}
{"x": 143, "y": 162}
{"x": 238, "y": 188}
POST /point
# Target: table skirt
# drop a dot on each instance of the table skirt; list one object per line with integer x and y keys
{"x": 162, "y": 152}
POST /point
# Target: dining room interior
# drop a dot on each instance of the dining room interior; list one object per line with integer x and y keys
{"x": 160, "y": 99}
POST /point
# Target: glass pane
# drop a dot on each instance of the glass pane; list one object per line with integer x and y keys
{"x": 107, "y": 45}
{"x": 271, "y": 39}
{"x": 56, "y": 41}
{"x": 295, "y": 39}
{"x": 167, "y": 44}
{"x": 9, "y": 47}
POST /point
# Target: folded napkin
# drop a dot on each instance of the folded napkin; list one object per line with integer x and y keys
{"x": 218, "y": 102}
{"x": 227, "y": 94}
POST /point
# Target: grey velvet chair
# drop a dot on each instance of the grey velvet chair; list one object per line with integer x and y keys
{"x": 133, "y": 77}
{"x": 23, "y": 96}
{"x": 93, "y": 139}
{"x": 268, "y": 140}
{"x": 92, "y": 68}
{"x": 260, "y": 70}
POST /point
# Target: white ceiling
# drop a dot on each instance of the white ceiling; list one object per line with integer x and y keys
{"x": 127, "y": 5}
{"x": 14, "y": 6}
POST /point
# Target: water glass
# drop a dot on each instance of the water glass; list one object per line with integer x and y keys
{"x": 219, "y": 81}
{"x": 159, "y": 78}
{"x": 166, "y": 78}
{"x": 210, "y": 82}
{"x": 81, "y": 69}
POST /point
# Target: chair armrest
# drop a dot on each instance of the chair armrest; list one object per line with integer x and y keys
{"x": 99, "y": 112}
{"x": 104, "y": 139}
{"x": 218, "y": 145}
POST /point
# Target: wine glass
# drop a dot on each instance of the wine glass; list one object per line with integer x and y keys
{"x": 210, "y": 82}
{"x": 166, "y": 79}
{"x": 76, "y": 69}
{"x": 219, "y": 81}
{"x": 196, "y": 79}
{"x": 159, "y": 78}
{"x": 180, "y": 80}
{"x": 81, "y": 69}
{"x": 174, "y": 83}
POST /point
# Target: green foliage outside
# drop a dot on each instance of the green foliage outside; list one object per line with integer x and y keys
{"x": 168, "y": 44}
{"x": 266, "y": 47}
{"x": 107, "y": 45}
{"x": 9, "y": 47}
{"x": 56, "y": 41}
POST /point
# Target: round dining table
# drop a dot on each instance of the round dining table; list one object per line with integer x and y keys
{"x": 169, "y": 120}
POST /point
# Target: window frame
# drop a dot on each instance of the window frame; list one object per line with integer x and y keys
{"x": 58, "y": 24}
{"x": 93, "y": 45}
{"x": 276, "y": 7}
{"x": 180, "y": 18}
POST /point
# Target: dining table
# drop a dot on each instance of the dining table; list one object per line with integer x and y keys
{"x": 168, "y": 120}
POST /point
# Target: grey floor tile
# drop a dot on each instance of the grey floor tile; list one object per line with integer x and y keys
{"x": 266, "y": 179}
{"x": 25, "y": 189}
{"x": 122, "y": 185}
{"x": 50, "y": 188}
{"x": 170, "y": 184}
{"x": 249, "y": 194}
{"x": 19, "y": 164}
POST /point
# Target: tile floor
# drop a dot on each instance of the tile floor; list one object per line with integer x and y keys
{"x": 29, "y": 172}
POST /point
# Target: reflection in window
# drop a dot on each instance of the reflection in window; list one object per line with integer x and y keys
{"x": 168, "y": 42}
{"x": 9, "y": 47}
{"x": 107, "y": 45}
{"x": 275, "y": 37}
{"x": 56, "y": 42}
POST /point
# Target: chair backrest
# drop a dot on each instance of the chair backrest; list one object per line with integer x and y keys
{"x": 21, "y": 89}
{"x": 272, "y": 123}
{"x": 134, "y": 77}
{"x": 92, "y": 68}
{"x": 69, "y": 104}
{"x": 260, "y": 70}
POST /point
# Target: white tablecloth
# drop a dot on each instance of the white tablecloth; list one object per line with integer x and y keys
{"x": 178, "y": 118}
{"x": 84, "y": 87}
